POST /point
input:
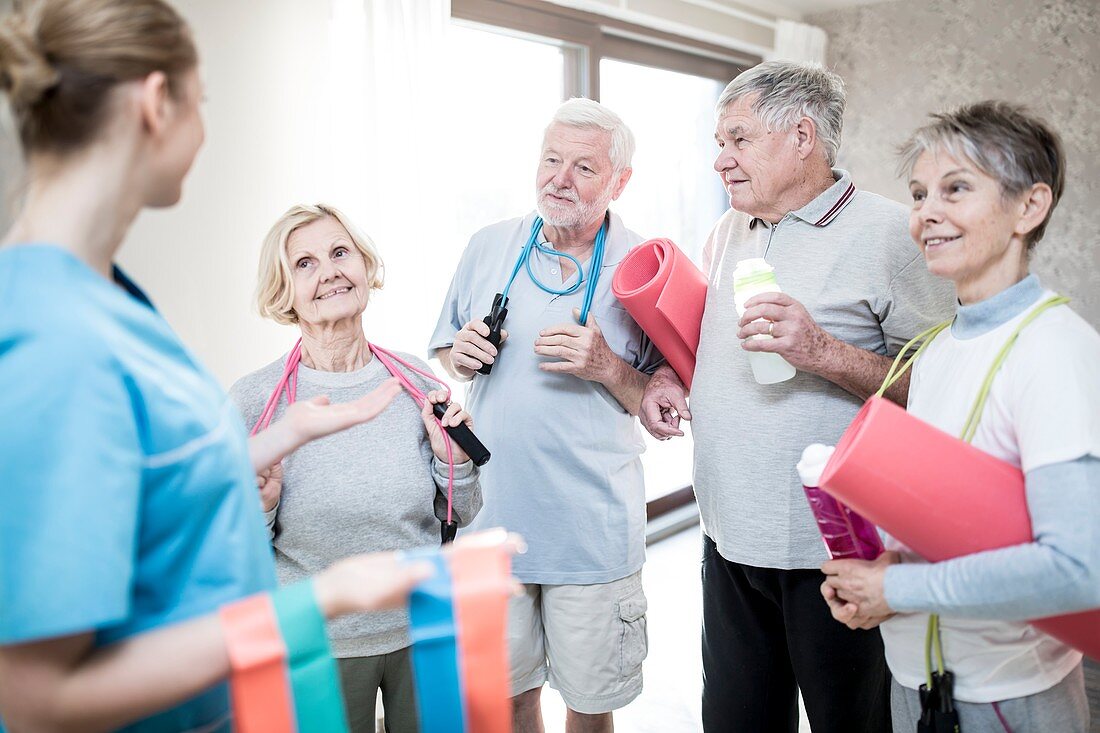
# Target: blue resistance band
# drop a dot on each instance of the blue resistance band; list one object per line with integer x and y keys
{"x": 594, "y": 268}
{"x": 434, "y": 648}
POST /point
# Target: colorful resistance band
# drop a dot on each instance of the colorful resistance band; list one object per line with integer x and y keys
{"x": 284, "y": 679}
{"x": 314, "y": 681}
{"x": 259, "y": 687}
{"x": 458, "y": 623}
{"x": 288, "y": 384}
{"x": 481, "y": 590}
{"x": 434, "y": 648}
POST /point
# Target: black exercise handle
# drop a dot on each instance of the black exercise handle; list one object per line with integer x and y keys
{"x": 465, "y": 438}
{"x": 495, "y": 322}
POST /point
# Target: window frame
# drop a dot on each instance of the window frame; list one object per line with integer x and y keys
{"x": 587, "y": 38}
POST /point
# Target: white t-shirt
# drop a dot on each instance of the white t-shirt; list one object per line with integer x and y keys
{"x": 1043, "y": 408}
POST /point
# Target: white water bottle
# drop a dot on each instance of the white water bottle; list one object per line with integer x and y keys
{"x": 752, "y": 277}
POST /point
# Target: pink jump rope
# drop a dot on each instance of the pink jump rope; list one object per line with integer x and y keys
{"x": 460, "y": 433}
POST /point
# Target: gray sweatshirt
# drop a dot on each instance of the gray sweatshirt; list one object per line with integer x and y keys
{"x": 373, "y": 487}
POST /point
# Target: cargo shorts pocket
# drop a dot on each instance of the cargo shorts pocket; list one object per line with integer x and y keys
{"x": 634, "y": 642}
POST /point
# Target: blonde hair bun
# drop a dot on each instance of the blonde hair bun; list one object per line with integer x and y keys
{"x": 26, "y": 76}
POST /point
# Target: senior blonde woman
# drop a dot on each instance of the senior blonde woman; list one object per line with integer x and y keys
{"x": 381, "y": 485}
{"x": 984, "y": 180}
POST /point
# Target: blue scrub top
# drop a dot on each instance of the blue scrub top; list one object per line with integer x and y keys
{"x": 127, "y": 497}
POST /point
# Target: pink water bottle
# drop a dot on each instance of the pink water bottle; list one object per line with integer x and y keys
{"x": 847, "y": 535}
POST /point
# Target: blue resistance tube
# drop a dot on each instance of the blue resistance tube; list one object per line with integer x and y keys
{"x": 432, "y": 629}
{"x": 594, "y": 267}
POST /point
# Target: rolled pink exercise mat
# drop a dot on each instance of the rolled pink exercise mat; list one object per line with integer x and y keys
{"x": 663, "y": 290}
{"x": 940, "y": 496}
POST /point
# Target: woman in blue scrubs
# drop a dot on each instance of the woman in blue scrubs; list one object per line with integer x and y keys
{"x": 128, "y": 503}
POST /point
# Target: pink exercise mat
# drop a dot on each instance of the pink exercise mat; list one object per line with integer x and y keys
{"x": 664, "y": 292}
{"x": 940, "y": 496}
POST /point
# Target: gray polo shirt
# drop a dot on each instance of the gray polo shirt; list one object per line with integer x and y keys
{"x": 566, "y": 471}
{"x": 846, "y": 256}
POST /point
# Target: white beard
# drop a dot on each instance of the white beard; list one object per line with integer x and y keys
{"x": 578, "y": 215}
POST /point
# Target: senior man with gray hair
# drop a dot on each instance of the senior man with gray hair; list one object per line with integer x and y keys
{"x": 856, "y": 289}
{"x": 557, "y": 410}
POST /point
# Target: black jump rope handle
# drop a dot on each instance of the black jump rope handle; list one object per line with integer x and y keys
{"x": 477, "y": 451}
{"x": 474, "y": 448}
{"x": 495, "y": 322}
{"x": 465, "y": 438}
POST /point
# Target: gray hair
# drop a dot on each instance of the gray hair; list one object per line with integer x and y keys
{"x": 585, "y": 113}
{"x": 787, "y": 91}
{"x": 1005, "y": 141}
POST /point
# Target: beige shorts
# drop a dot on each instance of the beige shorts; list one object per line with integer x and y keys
{"x": 588, "y": 641}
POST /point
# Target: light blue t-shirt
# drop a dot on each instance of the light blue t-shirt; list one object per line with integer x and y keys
{"x": 566, "y": 470}
{"x": 127, "y": 498}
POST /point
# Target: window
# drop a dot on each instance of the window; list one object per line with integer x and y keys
{"x": 497, "y": 148}
{"x": 520, "y": 58}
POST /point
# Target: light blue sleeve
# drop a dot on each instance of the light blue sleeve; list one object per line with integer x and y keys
{"x": 1057, "y": 573}
{"x": 71, "y": 461}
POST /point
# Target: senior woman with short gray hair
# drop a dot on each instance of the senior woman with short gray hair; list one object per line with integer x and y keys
{"x": 984, "y": 181}
{"x": 380, "y": 486}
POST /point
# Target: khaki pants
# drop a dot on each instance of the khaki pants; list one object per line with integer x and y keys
{"x": 362, "y": 677}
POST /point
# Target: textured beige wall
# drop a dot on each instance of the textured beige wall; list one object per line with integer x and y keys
{"x": 902, "y": 60}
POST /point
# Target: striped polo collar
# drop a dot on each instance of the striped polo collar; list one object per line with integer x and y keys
{"x": 827, "y": 206}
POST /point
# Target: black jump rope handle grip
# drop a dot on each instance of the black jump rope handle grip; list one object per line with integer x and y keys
{"x": 495, "y": 322}
{"x": 465, "y": 438}
{"x": 494, "y": 339}
{"x": 474, "y": 448}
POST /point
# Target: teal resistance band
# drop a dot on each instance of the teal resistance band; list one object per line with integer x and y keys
{"x": 314, "y": 681}
{"x": 595, "y": 265}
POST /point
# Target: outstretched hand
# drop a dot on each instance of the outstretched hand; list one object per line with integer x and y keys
{"x": 311, "y": 419}
{"x": 383, "y": 580}
{"x": 316, "y": 418}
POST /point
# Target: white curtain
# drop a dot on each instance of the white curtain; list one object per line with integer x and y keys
{"x": 799, "y": 42}
{"x": 387, "y": 148}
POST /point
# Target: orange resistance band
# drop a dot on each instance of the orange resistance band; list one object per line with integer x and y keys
{"x": 481, "y": 591}
{"x": 257, "y": 655}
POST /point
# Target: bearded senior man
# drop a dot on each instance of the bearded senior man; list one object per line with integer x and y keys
{"x": 557, "y": 411}
{"x": 856, "y": 289}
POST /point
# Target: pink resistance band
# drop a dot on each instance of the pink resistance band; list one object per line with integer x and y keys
{"x": 289, "y": 384}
